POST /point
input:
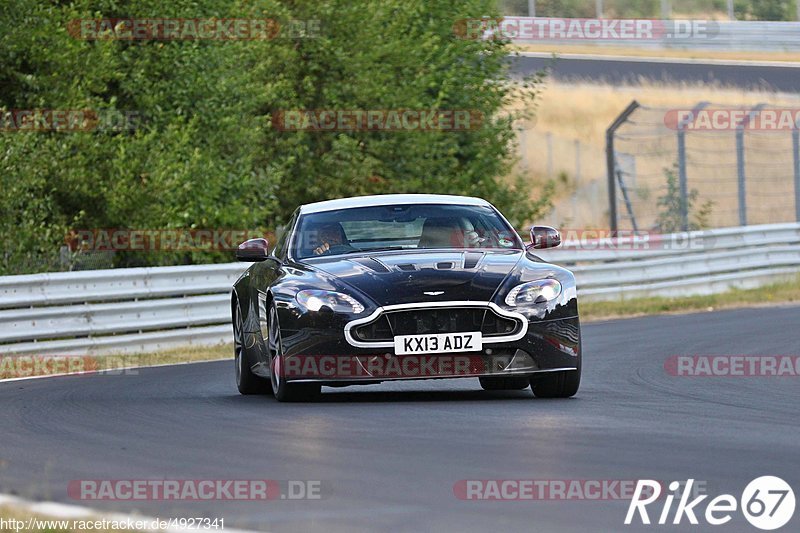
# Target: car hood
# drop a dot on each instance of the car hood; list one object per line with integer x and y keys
{"x": 422, "y": 276}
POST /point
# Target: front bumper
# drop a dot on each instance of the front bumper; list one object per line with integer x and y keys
{"x": 316, "y": 348}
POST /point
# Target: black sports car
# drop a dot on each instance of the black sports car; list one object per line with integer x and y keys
{"x": 376, "y": 288}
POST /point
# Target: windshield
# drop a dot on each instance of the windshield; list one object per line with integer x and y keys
{"x": 401, "y": 226}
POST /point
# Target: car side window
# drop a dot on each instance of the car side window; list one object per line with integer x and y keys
{"x": 283, "y": 232}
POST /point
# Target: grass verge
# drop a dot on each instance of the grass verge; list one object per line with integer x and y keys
{"x": 779, "y": 293}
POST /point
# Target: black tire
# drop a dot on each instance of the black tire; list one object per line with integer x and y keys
{"x": 246, "y": 381}
{"x": 562, "y": 384}
{"x": 507, "y": 383}
{"x": 284, "y": 391}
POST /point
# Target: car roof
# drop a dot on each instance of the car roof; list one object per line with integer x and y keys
{"x": 390, "y": 199}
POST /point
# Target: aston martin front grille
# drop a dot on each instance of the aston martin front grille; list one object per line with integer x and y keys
{"x": 436, "y": 320}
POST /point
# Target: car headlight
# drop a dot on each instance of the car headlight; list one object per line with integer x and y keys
{"x": 534, "y": 292}
{"x": 314, "y": 300}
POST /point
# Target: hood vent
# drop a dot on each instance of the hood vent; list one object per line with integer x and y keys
{"x": 371, "y": 263}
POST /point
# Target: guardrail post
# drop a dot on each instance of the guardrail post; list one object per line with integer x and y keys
{"x": 610, "y": 165}
{"x": 796, "y": 158}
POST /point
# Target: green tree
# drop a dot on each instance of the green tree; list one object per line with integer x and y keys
{"x": 204, "y": 154}
{"x": 190, "y": 163}
{"x": 398, "y": 55}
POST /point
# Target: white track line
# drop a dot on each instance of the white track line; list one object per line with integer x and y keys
{"x": 65, "y": 511}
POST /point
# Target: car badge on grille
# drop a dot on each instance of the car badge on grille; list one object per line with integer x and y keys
{"x": 433, "y": 293}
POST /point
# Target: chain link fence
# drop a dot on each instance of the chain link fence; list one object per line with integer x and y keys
{"x": 703, "y": 167}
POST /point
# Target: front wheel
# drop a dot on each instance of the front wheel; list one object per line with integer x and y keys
{"x": 246, "y": 381}
{"x": 561, "y": 384}
{"x": 283, "y": 390}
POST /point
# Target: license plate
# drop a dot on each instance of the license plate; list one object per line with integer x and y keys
{"x": 470, "y": 341}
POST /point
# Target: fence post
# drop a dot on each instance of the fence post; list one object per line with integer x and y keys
{"x": 796, "y": 158}
{"x": 598, "y": 8}
{"x": 742, "y": 183}
{"x": 666, "y": 9}
{"x": 683, "y": 179}
{"x": 731, "y": 13}
{"x": 610, "y": 165}
{"x": 740, "y": 172}
{"x": 531, "y": 8}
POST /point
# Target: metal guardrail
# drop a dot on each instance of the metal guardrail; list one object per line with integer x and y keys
{"x": 149, "y": 309}
{"x": 750, "y": 36}
{"x": 116, "y": 310}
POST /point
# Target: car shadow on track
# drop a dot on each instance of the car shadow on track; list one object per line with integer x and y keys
{"x": 354, "y": 396}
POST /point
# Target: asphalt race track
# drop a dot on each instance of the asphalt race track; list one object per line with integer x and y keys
{"x": 784, "y": 78}
{"x": 389, "y": 455}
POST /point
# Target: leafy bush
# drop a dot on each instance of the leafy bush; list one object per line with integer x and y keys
{"x": 670, "y": 218}
{"x": 764, "y": 9}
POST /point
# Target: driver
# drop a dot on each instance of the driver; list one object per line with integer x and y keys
{"x": 329, "y": 235}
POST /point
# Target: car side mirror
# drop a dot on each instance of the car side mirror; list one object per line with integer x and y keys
{"x": 544, "y": 237}
{"x": 253, "y": 250}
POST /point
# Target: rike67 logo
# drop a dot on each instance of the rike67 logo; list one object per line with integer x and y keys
{"x": 767, "y": 503}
